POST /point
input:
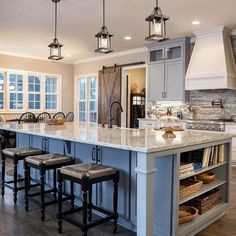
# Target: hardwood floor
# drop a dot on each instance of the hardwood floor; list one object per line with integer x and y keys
{"x": 15, "y": 221}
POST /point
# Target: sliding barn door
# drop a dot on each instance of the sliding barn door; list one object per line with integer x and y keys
{"x": 109, "y": 90}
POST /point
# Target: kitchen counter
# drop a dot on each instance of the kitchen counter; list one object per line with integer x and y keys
{"x": 149, "y": 167}
{"x": 141, "y": 140}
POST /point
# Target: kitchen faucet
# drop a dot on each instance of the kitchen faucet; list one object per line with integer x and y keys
{"x": 110, "y": 115}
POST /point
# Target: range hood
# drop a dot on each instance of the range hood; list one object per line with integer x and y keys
{"x": 212, "y": 64}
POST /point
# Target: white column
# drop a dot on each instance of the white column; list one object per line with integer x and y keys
{"x": 145, "y": 189}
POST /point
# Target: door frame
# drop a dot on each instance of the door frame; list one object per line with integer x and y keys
{"x": 124, "y": 88}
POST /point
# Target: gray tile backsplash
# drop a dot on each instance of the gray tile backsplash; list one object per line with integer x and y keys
{"x": 202, "y": 102}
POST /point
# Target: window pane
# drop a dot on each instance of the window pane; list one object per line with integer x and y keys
{"x": 1, "y": 96}
{"x": 12, "y": 78}
{"x": 37, "y": 88}
{"x": 92, "y": 106}
{"x": 37, "y": 97}
{"x": 93, "y": 94}
{"x": 12, "y": 96}
{"x": 37, "y": 105}
{"x": 31, "y": 105}
{"x": 20, "y": 96}
{"x": 1, "y": 81}
{"x": 12, "y": 105}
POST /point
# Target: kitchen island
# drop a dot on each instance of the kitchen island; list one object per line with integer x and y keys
{"x": 149, "y": 170}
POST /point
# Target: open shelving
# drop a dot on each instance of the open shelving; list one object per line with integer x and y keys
{"x": 205, "y": 219}
{"x": 205, "y": 188}
{"x": 196, "y": 172}
{"x": 222, "y": 171}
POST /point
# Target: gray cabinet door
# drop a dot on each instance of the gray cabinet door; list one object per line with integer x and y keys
{"x": 156, "y": 84}
{"x": 119, "y": 159}
{"x": 85, "y": 153}
{"x": 174, "y": 81}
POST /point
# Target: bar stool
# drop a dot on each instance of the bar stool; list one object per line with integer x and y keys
{"x": 16, "y": 155}
{"x": 86, "y": 175}
{"x": 45, "y": 163}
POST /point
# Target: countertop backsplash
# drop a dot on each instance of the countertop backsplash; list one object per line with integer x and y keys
{"x": 202, "y": 102}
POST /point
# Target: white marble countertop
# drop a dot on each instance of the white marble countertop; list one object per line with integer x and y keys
{"x": 141, "y": 140}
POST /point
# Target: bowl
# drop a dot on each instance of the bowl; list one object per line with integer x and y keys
{"x": 55, "y": 121}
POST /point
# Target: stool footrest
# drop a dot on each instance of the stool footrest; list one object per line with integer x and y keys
{"x": 12, "y": 181}
{"x": 12, "y": 187}
{"x": 89, "y": 225}
{"x": 109, "y": 213}
{"x": 38, "y": 193}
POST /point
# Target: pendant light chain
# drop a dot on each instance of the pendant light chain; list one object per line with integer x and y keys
{"x": 55, "y": 19}
{"x": 104, "y": 17}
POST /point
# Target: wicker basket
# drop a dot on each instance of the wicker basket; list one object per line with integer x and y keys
{"x": 207, "y": 201}
{"x": 189, "y": 187}
{"x": 206, "y": 177}
{"x": 190, "y": 213}
{"x": 53, "y": 121}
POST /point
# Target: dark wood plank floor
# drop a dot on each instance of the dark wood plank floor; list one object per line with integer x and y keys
{"x": 15, "y": 221}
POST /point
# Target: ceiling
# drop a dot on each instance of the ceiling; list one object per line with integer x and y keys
{"x": 26, "y": 26}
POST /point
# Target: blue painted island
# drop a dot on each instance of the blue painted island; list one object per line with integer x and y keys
{"x": 149, "y": 170}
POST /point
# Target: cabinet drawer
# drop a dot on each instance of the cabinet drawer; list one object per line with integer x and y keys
{"x": 147, "y": 124}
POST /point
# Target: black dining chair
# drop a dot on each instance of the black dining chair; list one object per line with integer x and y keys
{"x": 27, "y": 117}
{"x": 59, "y": 115}
{"x": 70, "y": 116}
{"x": 42, "y": 117}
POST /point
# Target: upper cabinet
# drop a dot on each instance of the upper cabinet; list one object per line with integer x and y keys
{"x": 167, "y": 65}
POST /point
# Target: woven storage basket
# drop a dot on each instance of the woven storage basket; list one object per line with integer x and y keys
{"x": 189, "y": 187}
{"x": 191, "y": 211}
{"x": 206, "y": 177}
{"x": 207, "y": 201}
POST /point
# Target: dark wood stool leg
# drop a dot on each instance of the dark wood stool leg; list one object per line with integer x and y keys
{"x": 27, "y": 176}
{"x": 42, "y": 189}
{"x": 15, "y": 162}
{"x": 115, "y": 200}
{"x": 3, "y": 173}
{"x": 59, "y": 213}
{"x": 55, "y": 184}
{"x": 85, "y": 205}
{"x": 90, "y": 203}
{"x": 72, "y": 195}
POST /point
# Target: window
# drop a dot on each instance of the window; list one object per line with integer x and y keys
{"x": 82, "y": 100}
{"x": 34, "y": 97}
{"x": 1, "y": 90}
{"x": 93, "y": 99}
{"x": 16, "y": 91}
{"x": 29, "y": 91}
{"x": 87, "y": 104}
{"x": 51, "y": 93}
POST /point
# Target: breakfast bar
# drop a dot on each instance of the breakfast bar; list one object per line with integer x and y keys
{"x": 149, "y": 170}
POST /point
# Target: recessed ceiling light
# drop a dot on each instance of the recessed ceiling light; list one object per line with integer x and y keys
{"x": 196, "y": 22}
{"x": 68, "y": 55}
{"x": 127, "y": 37}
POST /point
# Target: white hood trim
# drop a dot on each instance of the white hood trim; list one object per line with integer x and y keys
{"x": 212, "y": 64}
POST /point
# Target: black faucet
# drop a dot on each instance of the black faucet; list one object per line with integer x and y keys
{"x": 110, "y": 115}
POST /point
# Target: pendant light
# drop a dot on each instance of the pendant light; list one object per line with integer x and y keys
{"x": 103, "y": 37}
{"x": 55, "y": 46}
{"x": 157, "y": 25}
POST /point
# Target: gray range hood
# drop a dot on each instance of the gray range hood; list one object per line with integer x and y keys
{"x": 212, "y": 64}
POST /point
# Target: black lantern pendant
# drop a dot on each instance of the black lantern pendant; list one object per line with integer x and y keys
{"x": 103, "y": 37}
{"x": 55, "y": 46}
{"x": 157, "y": 25}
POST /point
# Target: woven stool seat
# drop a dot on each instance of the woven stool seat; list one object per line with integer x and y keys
{"x": 48, "y": 159}
{"x": 21, "y": 152}
{"x": 87, "y": 170}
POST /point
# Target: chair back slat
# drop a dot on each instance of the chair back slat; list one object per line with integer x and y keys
{"x": 70, "y": 116}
